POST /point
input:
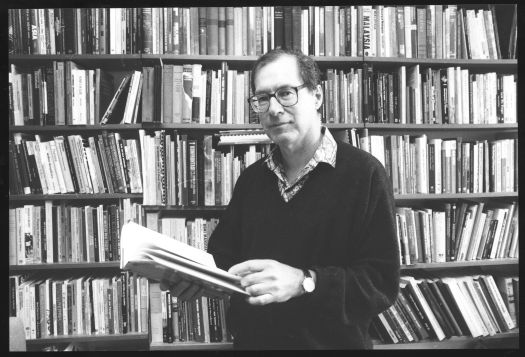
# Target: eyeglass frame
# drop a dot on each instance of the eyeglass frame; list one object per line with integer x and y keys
{"x": 272, "y": 95}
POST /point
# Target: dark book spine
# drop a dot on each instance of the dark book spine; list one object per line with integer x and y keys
{"x": 278, "y": 23}
{"x": 124, "y": 301}
{"x": 436, "y": 309}
{"x": 121, "y": 151}
{"x": 69, "y": 157}
{"x": 114, "y": 152}
{"x": 34, "y": 178}
{"x": 200, "y": 171}
{"x": 288, "y": 27}
{"x": 68, "y": 30}
{"x": 207, "y": 91}
{"x": 69, "y": 298}
{"x": 418, "y": 327}
{"x": 224, "y": 76}
{"x": 203, "y": 31}
{"x": 96, "y": 255}
{"x": 38, "y": 327}
{"x": 405, "y": 319}
{"x": 497, "y": 313}
{"x": 23, "y": 168}
{"x": 60, "y": 309}
{"x": 418, "y": 309}
{"x": 192, "y": 170}
{"x": 447, "y": 312}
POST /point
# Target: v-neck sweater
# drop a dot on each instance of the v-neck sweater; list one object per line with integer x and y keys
{"x": 340, "y": 224}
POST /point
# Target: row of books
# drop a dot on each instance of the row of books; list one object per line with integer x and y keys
{"x": 58, "y": 94}
{"x": 87, "y": 305}
{"x": 481, "y": 305}
{"x": 189, "y": 171}
{"x": 66, "y": 93}
{"x": 188, "y": 94}
{"x": 196, "y": 320}
{"x": 451, "y": 95}
{"x": 417, "y": 164}
{"x": 106, "y": 163}
{"x": 195, "y": 232}
{"x": 458, "y": 232}
{"x": 431, "y": 31}
{"x": 59, "y": 233}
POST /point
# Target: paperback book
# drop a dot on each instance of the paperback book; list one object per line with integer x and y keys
{"x": 161, "y": 258}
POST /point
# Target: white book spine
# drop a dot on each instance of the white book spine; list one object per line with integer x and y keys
{"x": 57, "y": 164}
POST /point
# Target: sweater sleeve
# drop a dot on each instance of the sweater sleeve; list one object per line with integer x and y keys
{"x": 367, "y": 286}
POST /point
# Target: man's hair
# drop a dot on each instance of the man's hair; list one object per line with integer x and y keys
{"x": 308, "y": 68}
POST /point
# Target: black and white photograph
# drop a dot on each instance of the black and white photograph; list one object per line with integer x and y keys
{"x": 261, "y": 177}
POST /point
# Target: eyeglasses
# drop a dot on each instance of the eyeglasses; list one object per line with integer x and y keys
{"x": 286, "y": 96}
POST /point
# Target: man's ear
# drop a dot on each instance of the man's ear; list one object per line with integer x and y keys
{"x": 318, "y": 93}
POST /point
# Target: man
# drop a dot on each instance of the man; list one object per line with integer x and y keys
{"x": 310, "y": 229}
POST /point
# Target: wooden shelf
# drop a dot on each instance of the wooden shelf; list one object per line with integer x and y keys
{"x": 441, "y": 127}
{"x": 190, "y": 346}
{"x": 14, "y": 269}
{"x": 461, "y": 264}
{"x": 65, "y": 129}
{"x": 129, "y": 341}
{"x": 506, "y": 340}
{"x": 185, "y": 209}
{"x": 420, "y": 197}
{"x": 74, "y": 197}
{"x": 121, "y": 58}
{"x": 89, "y": 338}
{"x": 501, "y": 64}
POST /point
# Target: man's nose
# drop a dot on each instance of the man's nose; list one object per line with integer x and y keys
{"x": 275, "y": 106}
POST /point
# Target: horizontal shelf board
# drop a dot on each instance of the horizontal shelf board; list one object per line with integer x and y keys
{"x": 392, "y": 126}
{"x": 460, "y": 264}
{"x": 156, "y": 346}
{"x": 73, "y": 57}
{"x": 453, "y": 196}
{"x": 183, "y": 209}
{"x": 444, "y": 62}
{"x": 71, "y": 128}
{"x": 454, "y": 342}
{"x": 193, "y": 126}
{"x": 251, "y": 59}
{"x": 64, "y": 266}
{"x": 90, "y": 338}
{"x": 74, "y": 197}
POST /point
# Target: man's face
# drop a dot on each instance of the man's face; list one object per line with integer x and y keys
{"x": 288, "y": 126}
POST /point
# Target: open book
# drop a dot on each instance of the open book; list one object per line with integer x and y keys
{"x": 161, "y": 258}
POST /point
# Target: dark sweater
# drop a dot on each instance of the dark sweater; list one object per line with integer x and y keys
{"x": 340, "y": 224}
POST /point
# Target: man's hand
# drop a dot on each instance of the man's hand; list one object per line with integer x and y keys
{"x": 269, "y": 281}
{"x": 186, "y": 290}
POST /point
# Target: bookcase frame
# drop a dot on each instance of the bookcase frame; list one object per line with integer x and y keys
{"x": 132, "y": 61}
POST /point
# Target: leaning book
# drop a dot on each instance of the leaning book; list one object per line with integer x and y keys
{"x": 161, "y": 258}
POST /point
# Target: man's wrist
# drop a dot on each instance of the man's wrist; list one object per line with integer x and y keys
{"x": 308, "y": 282}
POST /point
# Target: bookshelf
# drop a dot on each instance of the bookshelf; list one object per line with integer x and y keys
{"x": 119, "y": 64}
{"x": 127, "y": 342}
{"x": 507, "y": 340}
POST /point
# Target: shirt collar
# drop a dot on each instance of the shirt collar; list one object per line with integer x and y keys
{"x": 326, "y": 152}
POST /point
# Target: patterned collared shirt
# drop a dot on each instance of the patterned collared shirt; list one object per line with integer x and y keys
{"x": 325, "y": 153}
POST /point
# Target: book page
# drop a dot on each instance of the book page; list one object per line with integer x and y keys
{"x": 135, "y": 238}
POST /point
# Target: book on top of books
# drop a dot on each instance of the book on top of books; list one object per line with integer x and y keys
{"x": 162, "y": 258}
{"x": 249, "y": 136}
